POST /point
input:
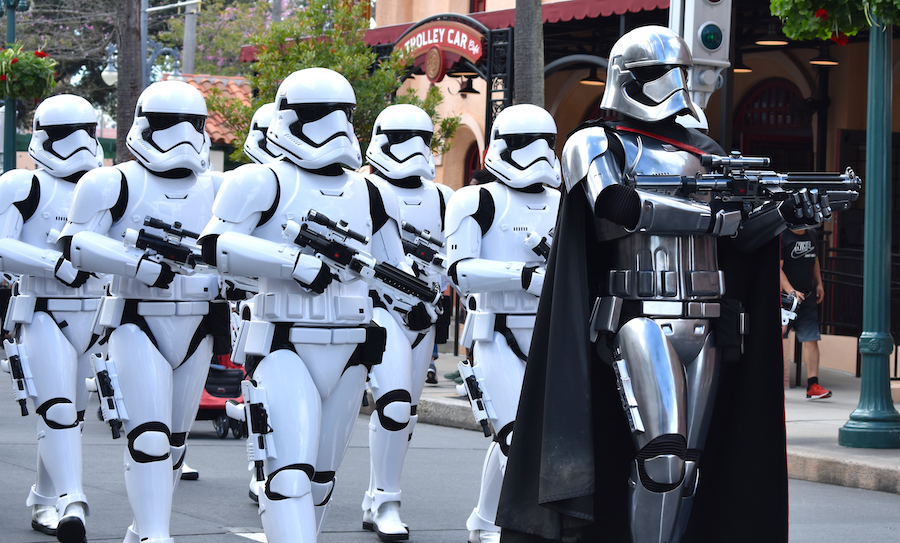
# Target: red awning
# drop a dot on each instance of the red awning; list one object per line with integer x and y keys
{"x": 552, "y": 12}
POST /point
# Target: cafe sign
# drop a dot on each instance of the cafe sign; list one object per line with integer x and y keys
{"x": 444, "y": 37}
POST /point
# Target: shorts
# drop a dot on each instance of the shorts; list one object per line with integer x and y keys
{"x": 806, "y": 325}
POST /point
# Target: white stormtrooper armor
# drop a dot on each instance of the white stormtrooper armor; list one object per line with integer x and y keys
{"x": 486, "y": 229}
{"x": 310, "y": 340}
{"x": 401, "y": 157}
{"x": 256, "y": 146}
{"x": 51, "y": 313}
{"x": 155, "y": 321}
{"x": 665, "y": 357}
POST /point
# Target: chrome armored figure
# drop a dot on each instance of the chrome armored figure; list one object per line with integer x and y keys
{"x": 156, "y": 318}
{"x": 401, "y": 159}
{"x": 660, "y": 303}
{"x": 495, "y": 267}
{"x": 310, "y": 342}
{"x": 51, "y": 313}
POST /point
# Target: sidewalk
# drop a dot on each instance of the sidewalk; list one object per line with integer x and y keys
{"x": 812, "y": 430}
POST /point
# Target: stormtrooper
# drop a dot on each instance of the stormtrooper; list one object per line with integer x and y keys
{"x": 629, "y": 410}
{"x": 158, "y": 317}
{"x": 54, "y": 304}
{"x": 256, "y": 146}
{"x": 492, "y": 263}
{"x": 310, "y": 342}
{"x": 401, "y": 159}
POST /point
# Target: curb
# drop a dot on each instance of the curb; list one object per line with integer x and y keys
{"x": 803, "y": 464}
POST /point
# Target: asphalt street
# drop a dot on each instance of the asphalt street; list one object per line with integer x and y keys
{"x": 440, "y": 485}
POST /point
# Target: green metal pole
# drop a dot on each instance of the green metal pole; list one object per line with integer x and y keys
{"x": 9, "y": 120}
{"x": 875, "y": 424}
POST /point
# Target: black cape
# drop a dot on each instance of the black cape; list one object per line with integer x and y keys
{"x": 571, "y": 452}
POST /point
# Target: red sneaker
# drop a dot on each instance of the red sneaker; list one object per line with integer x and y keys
{"x": 816, "y": 392}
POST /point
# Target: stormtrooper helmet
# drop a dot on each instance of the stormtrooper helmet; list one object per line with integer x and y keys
{"x": 401, "y": 143}
{"x": 64, "y": 137}
{"x": 313, "y": 121}
{"x": 169, "y": 129}
{"x": 521, "y": 151}
{"x": 648, "y": 75}
{"x": 257, "y": 146}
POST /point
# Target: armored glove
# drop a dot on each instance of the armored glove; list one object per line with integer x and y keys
{"x": 805, "y": 208}
{"x": 312, "y": 273}
{"x": 66, "y": 274}
{"x": 154, "y": 274}
{"x": 533, "y": 279}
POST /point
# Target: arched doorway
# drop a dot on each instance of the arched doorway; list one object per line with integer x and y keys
{"x": 473, "y": 163}
{"x": 773, "y": 120}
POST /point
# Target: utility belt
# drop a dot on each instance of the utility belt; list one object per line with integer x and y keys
{"x": 256, "y": 339}
{"x": 22, "y": 307}
{"x": 481, "y": 325}
{"x": 728, "y": 317}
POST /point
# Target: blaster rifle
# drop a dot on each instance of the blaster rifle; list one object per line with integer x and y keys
{"x": 106, "y": 383}
{"x": 178, "y": 253}
{"x": 425, "y": 250}
{"x": 16, "y": 365}
{"x": 471, "y": 387}
{"x": 742, "y": 180}
{"x": 402, "y": 290}
{"x": 539, "y": 244}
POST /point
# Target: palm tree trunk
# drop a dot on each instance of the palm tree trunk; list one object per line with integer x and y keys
{"x": 528, "y": 48}
{"x": 128, "y": 33}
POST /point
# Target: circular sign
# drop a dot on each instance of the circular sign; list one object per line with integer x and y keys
{"x": 434, "y": 64}
{"x": 710, "y": 36}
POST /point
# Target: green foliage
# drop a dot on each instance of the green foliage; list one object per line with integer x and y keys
{"x": 833, "y": 19}
{"x": 222, "y": 28}
{"x": 330, "y": 34}
{"x": 25, "y": 73}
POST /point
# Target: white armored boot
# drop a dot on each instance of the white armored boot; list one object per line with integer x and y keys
{"x": 382, "y": 501}
{"x": 481, "y": 522}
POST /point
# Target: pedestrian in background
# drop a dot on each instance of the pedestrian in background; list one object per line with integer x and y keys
{"x": 802, "y": 277}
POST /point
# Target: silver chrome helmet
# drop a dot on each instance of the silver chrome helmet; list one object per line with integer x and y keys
{"x": 257, "y": 145}
{"x": 648, "y": 74}
{"x": 401, "y": 143}
{"x": 521, "y": 151}
{"x": 313, "y": 122}
{"x": 169, "y": 129}
{"x": 64, "y": 136}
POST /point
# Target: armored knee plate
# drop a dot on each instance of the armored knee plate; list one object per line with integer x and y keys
{"x": 58, "y": 414}
{"x": 322, "y": 487}
{"x": 394, "y": 410}
{"x": 149, "y": 442}
{"x": 293, "y": 481}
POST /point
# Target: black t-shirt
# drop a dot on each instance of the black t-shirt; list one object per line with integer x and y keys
{"x": 799, "y": 252}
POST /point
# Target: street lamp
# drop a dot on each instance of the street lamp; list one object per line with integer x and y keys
{"x": 110, "y": 74}
{"x": 9, "y": 127}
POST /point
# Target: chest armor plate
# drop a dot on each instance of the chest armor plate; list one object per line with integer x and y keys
{"x": 187, "y": 200}
{"x": 516, "y": 214}
{"x": 51, "y": 214}
{"x": 339, "y": 198}
{"x": 663, "y": 267}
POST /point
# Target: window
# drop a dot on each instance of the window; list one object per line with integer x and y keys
{"x": 476, "y": 6}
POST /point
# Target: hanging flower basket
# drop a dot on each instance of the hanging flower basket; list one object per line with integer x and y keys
{"x": 25, "y": 74}
{"x": 834, "y": 20}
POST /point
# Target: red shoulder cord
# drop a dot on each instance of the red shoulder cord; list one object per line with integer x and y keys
{"x": 678, "y": 144}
